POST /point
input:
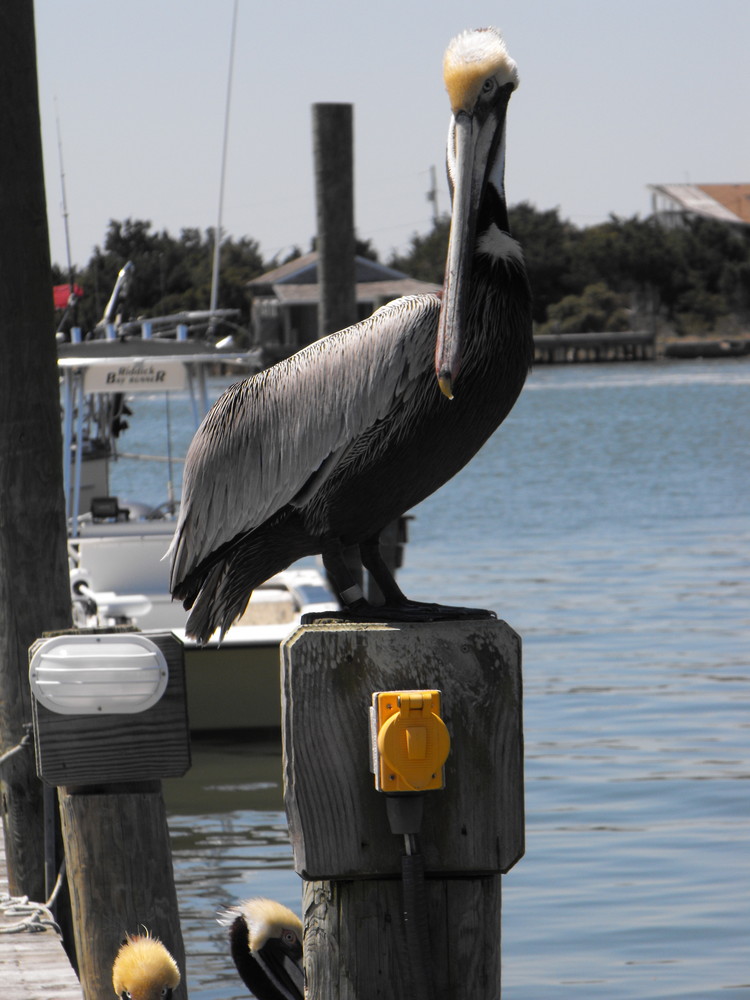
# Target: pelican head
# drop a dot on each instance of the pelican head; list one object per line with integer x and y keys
{"x": 479, "y": 77}
{"x": 144, "y": 970}
{"x": 266, "y": 943}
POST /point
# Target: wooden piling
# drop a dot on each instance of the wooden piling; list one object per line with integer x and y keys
{"x": 108, "y": 769}
{"x": 471, "y": 832}
{"x": 333, "y": 153}
{"x": 354, "y": 949}
{"x": 34, "y": 580}
{"x": 120, "y": 876}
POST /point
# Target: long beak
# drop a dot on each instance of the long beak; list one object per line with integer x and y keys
{"x": 460, "y": 246}
{"x": 285, "y": 973}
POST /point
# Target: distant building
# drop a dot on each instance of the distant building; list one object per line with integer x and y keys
{"x": 673, "y": 203}
{"x": 285, "y": 300}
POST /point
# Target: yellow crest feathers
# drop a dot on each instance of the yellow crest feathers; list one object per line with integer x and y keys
{"x": 266, "y": 918}
{"x": 144, "y": 968}
{"x": 469, "y": 60}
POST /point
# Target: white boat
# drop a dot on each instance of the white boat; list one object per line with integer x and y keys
{"x": 116, "y": 545}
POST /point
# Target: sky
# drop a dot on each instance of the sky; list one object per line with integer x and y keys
{"x": 615, "y": 95}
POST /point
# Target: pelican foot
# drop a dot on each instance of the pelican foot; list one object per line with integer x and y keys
{"x": 409, "y": 611}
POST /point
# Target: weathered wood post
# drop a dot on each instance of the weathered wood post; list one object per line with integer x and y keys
{"x": 108, "y": 765}
{"x": 334, "y": 198}
{"x": 34, "y": 582}
{"x": 471, "y": 832}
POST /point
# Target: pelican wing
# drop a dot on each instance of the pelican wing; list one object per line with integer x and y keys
{"x": 274, "y": 438}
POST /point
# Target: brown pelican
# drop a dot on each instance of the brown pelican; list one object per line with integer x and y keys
{"x": 324, "y": 449}
{"x": 144, "y": 970}
{"x": 266, "y": 942}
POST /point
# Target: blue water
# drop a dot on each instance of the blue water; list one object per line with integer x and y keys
{"x": 609, "y": 522}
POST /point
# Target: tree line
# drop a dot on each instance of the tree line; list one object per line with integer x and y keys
{"x": 622, "y": 274}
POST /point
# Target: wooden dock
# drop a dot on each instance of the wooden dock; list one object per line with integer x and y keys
{"x": 33, "y": 964}
{"x": 713, "y": 348}
{"x": 575, "y": 348}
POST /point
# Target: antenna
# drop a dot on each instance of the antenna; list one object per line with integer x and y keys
{"x": 64, "y": 198}
{"x": 217, "y": 234}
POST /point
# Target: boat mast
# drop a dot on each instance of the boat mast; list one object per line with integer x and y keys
{"x": 217, "y": 234}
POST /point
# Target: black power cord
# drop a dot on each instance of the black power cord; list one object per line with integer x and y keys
{"x": 405, "y": 818}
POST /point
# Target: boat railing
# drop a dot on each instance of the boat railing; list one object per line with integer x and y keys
{"x": 150, "y": 458}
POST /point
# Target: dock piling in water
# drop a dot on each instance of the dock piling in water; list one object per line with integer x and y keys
{"x": 120, "y": 876}
{"x": 107, "y": 766}
{"x": 471, "y": 832}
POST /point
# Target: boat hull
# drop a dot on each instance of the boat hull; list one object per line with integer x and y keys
{"x": 235, "y": 687}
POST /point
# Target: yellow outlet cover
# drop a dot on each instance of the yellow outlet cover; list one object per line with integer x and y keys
{"x": 412, "y": 741}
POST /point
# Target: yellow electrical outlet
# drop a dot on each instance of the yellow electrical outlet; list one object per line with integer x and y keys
{"x": 410, "y": 741}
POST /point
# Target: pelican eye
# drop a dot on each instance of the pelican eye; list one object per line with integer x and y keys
{"x": 289, "y": 937}
{"x": 489, "y": 85}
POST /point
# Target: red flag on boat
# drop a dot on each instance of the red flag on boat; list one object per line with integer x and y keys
{"x": 61, "y": 294}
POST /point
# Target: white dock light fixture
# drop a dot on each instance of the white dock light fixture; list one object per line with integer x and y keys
{"x": 98, "y": 674}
